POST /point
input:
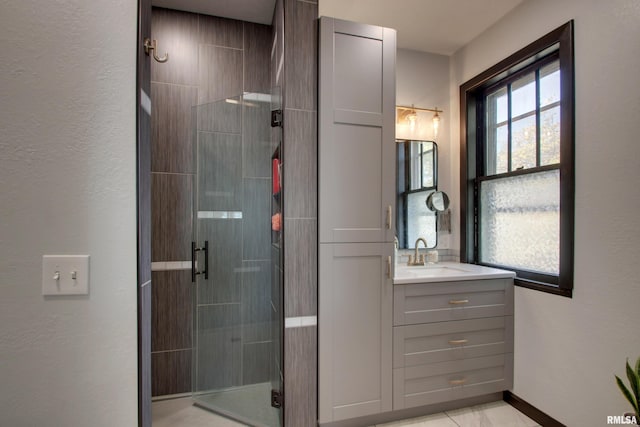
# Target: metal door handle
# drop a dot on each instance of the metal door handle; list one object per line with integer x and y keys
{"x": 457, "y": 342}
{"x": 457, "y": 382}
{"x": 206, "y": 259}
{"x": 458, "y": 301}
{"x": 194, "y": 255}
{"x": 193, "y": 262}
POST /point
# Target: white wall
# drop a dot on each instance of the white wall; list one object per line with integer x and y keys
{"x": 568, "y": 350}
{"x": 67, "y": 186}
{"x": 422, "y": 79}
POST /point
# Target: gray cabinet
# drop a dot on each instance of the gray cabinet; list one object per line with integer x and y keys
{"x": 356, "y": 132}
{"x": 355, "y": 334}
{"x": 452, "y": 340}
{"x": 438, "y": 302}
{"x": 356, "y": 182}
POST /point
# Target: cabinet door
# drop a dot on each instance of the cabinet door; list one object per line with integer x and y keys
{"x": 356, "y": 132}
{"x": 355, "y": 330}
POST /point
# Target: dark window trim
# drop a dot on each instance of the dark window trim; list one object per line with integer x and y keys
{"x": 560, "y": 40}
{"x": 507, "y": 84}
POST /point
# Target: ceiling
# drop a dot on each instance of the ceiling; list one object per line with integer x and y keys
{"x": 436, "y": 26}
{"x": 260, "y": 11}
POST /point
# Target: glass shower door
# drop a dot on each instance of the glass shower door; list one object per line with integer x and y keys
{"x": 234, "y": 334}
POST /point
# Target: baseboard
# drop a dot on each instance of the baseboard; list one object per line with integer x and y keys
{"x": 530, "y": 411}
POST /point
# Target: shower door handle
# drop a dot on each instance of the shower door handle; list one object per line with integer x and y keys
{"x": 194, "y": 256}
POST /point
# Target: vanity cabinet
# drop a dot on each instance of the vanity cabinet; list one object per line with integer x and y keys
{"x": 451, "y": 340}
{"x": 442, "y": 301}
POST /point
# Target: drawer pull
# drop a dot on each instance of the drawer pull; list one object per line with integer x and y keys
{"x": 457, "y": 382}
{"x": 458, "y": 301}
{"x": 457, "y": 342}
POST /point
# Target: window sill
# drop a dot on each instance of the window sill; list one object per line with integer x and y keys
{"x": 543, "y": 287}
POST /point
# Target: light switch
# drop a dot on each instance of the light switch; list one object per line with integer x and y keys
{"x": 65, "y": 275}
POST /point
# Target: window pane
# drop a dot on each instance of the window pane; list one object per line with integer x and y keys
{"x": 497, "y": 105}
{"x": 415, "y": 167}
{"x": 550, "y": 84}
{"x": 421, "y": 222}
{"x": 523, "y": 95}
{"x": 519, "y": 222}
{"x": 428, "y": 167}
{"x": 523, "y": 143}
{"x": 421, "y": 165}
{"x": 497, "y": 132}
{"x": 502, "y": 149}
{"x": 550, "y": 136}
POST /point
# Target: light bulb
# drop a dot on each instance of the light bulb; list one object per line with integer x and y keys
{"x": 412, "y": 117}
{"x": 436, "y": 124}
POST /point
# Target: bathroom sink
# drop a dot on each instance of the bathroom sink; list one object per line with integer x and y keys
{"x": 430, "y": 270}
{"x": 445, "y": 272}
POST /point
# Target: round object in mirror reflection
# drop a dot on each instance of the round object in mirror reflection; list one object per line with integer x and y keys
{"x": 438, "y": 201}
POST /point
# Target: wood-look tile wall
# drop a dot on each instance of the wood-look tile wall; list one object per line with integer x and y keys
{"x": 210, "y": 58}
{"x": 143, "y": 157}
{"x": 300, "y": 212}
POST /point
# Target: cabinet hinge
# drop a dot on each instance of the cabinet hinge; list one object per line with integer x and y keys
{"x": 277, "y": 399}
{"x": 276, "y": 118}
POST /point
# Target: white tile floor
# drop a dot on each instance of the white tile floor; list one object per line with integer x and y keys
{"x": 181, "y": 413}
{"x": 494, "y": 414}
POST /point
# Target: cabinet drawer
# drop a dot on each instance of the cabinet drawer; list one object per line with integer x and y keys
{"x": 440, "y": 302}
{"x": 445, "y": 341}
{"x": 446, "y": 381}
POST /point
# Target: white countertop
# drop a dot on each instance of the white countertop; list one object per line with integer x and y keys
{"x": 446, "y": 272}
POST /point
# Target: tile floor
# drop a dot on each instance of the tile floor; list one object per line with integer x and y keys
{"x": 181, "y": 413}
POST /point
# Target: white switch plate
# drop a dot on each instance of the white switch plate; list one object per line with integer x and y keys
{"x": 65, "y": 266}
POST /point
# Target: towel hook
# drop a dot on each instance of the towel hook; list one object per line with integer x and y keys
{"x": 152, "y": 45}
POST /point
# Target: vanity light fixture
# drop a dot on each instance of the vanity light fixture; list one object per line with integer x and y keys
{"x": 410, "y": 115}
{"x": 436, "y": 123}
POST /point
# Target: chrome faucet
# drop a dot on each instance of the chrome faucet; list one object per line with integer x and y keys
{"x": 415, "y": 260}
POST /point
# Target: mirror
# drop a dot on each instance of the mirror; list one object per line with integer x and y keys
{"x": 438, "y": 201}
{"x": 417, "y": 179}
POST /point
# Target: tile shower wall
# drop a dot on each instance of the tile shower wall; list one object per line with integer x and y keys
{"x": 143, "y": 155}
{"x": 295, "y": 40}
{"x": 210, "y": 58}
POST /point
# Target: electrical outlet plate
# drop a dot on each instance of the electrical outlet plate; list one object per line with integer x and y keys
{"x": 58, "y": 276}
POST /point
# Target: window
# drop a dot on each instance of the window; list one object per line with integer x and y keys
{"x": 417, "y": 172}
{"x": 517, "y": 158}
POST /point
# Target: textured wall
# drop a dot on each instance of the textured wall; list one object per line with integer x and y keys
{"x": 422, "y": 79}
{"x": 573, "y": 347}
{"x": 300, "y": 210}
{"x": 67, "y": 173}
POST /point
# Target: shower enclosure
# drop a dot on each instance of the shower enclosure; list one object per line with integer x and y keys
{"x": 236, "y": 268}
